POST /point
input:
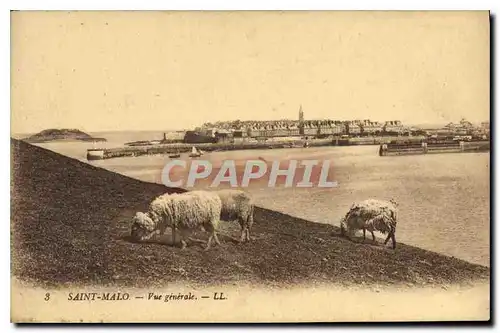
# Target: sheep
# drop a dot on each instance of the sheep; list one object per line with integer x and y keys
{"x": 186, "y": 211}
{"x": 237, "y": 205}
{"x": 373, "y": 215}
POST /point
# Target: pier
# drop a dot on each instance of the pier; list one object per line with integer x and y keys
{"x": 181, "y": 148}
{"x": 431, "y": 147}
{"x": 399, "y": 146}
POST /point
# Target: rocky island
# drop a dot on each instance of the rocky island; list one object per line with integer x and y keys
{"x": 61, "y": 135}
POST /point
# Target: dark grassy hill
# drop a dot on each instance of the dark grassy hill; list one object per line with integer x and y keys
{"x": 70, "y": 223}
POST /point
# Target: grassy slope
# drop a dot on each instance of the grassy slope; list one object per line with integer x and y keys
{"x": 70, "y": 223}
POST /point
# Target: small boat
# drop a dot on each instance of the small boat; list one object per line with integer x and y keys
{"x": 174, "y": 155}
{"x": 194, "y": 152}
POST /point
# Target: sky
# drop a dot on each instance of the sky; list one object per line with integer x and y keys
{"x": 139, "y": 70}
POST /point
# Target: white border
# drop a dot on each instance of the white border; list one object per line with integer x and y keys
{"x": 184, "y": 5}
{"x": 252, "y": 5}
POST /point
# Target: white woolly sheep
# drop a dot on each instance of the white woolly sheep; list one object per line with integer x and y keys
{"x": 237, "y": 205}
{"x": 372, "y": 215}
{"x": 185, "y": 212}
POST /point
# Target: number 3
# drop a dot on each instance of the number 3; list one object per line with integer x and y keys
{"x": 47, "y": 296}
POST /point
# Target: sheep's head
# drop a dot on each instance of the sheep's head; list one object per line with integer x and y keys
{"x": 394, "y": 202}
{"x": 143, "y": 227}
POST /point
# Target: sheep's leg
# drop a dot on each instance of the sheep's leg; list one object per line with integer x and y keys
{"x": 364, "y": 234}
{"x": 183, "y": 239}
{"x": 393, "y": 236}
{"x": 216, "y": 238}
{"x": 174, "y": 233}
{"x": 249, "y": 223}
{"x": 213, "y": 235}
{"x": 162, "y": 228}
{"x": 209, "y": 242}
{"x": 388, "y": 237}
{"x": 242, "y": 238}
{"x": 373, "y": 236}
{"x": 213, "y": 229}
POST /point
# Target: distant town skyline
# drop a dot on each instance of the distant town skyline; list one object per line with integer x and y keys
{"x": 118, "y": 71}
{"x": 427, "y": 125}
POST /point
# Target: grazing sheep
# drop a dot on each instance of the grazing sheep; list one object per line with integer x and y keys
{"x": 185, "y": 212}
{"x": 237, "y": 205}
{"x": 373, "y": 215}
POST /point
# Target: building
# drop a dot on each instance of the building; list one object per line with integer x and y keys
{"x": 208, "y": 131}
{"x": 464, "y": 127}
{"x": 224, "y": 136}
{"x": 393, "y": 127}
{"x": 173, "y": 137}
{"x": 352, "y": 127}
{"x": 248, "y": 129}
{"x": 329, "y": 127}
{"x": 465, "y": 124}
{"x": 311, "y": 127}
{"x": 369, "y": 127}
{"x": 198, "y": 137}
{"x": 241, "y": 133}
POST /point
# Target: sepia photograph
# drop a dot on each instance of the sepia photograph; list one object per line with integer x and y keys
{"x": 250, "y": 166}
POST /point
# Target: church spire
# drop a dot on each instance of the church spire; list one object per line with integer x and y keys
{"x": 301, "y": 120}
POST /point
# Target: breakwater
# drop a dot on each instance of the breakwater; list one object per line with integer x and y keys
{"x": 377, "y": 140}
{"x": 411, "y": 148}
{"x": 181, "y": 148}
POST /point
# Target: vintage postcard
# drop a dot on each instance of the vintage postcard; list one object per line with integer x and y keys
{"x": 250, "y": 166}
